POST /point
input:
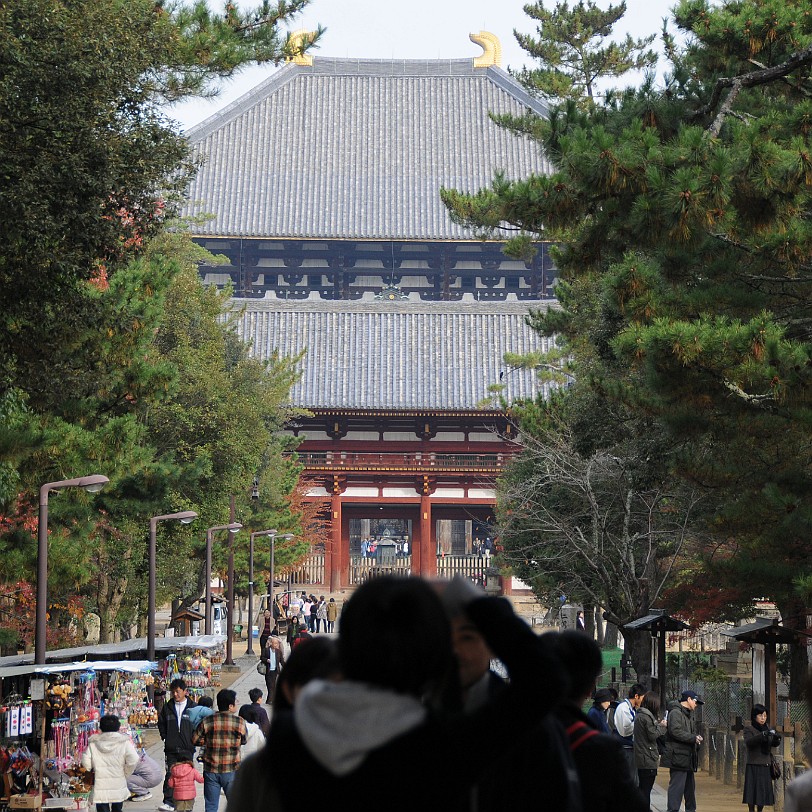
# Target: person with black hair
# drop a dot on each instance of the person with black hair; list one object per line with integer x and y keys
{"x": 534, "y": 757}
{"x": 112, "y": 757}
{"x": 254, "y": 712}
{"x": 759, "y": 739}
{"x": 222, "y": 737}
{"x": 384, "y": 714}
{"x": 648, "y": 729}
{"x": 606, "y": 785}
{"x": 624, "y": 724}
{"x": 176, "y": 728}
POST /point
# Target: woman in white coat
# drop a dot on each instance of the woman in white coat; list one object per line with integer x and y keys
{"x": 112, "y": 757}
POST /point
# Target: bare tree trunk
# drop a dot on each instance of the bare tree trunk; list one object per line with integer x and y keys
{"x": 638, "y": 648}
{"x": 599, "y": 627}
{"x": 610, "y": 636}
{"x": 589, "y": 620}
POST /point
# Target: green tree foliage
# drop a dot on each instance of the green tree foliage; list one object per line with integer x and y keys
{"x": 682, "y": 213}
{"x": 90, "y": 173}
{"x": 89, "y": 165}
{"x": 575, "y": 52}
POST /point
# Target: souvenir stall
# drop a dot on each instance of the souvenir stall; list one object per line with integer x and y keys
{"x": 197, "y": 660}
{"x": 63, "y": 710}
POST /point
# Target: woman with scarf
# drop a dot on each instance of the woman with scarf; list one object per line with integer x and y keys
{"x": 759, "y": 739}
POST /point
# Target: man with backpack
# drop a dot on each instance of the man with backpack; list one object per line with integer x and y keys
{"x": 606, "y": 785}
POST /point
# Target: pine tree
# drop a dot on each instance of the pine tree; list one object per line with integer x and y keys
{"x": 575, "y": 50}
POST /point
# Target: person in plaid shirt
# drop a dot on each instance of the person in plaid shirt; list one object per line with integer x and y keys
{"x": 221, "y": 736}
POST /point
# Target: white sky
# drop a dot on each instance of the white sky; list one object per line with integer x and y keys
{"x": 414, "y": 29}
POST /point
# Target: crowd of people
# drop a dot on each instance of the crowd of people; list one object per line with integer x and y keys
{"x": 420, "y": 699}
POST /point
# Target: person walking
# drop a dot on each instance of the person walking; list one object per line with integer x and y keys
{"x": 175, "y": 728}
{"x": 254, "y": 712}
{"x": 798, "y": 792}
{"x": 332, "y": 615}
{"x": 648, "y": 728}
{"x": 112, "y": 756}
{"x": 681, "y": 746}
{"x": 268, "y": 624}
{"x": 182, "y": 779}
{"x": 759, "y": 740}
{"x": 274, "y": 659}
{"x": 321, "y": 615}
{"x": 222, "y": 737}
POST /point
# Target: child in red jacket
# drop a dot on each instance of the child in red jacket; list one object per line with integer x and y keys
{"x": 182, "y": 779}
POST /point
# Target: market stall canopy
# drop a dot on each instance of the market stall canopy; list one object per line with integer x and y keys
{"x": 133, "y": 666}
{"x": 111, "y": 650}
{"x": 765, "y": 630}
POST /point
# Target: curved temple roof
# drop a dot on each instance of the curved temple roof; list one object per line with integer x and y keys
{"x": 358, "y": 149}
{"x": 395, "y": 355}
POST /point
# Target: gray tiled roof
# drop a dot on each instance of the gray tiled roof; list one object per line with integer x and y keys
{"x": 394, "y": 355}
{"x": 358, "y": 149}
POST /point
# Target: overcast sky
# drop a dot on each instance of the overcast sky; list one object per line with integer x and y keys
{"x": 413, "y": 29}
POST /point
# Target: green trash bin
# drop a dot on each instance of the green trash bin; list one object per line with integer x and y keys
{"x": 238, "y": 629}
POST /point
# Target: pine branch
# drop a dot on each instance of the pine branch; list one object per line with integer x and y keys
{"x": 752, "y": 79}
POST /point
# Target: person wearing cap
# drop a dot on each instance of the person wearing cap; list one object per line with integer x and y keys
{"x": 682, "y": 744}
{"x": 597, "y": 713}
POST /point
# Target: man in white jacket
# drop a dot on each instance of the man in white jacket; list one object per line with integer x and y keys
{"x": 112, "y": 756}
{"x": 624, "y": 725}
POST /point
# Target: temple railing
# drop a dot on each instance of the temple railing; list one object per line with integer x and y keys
{"x": 418, "y": 462}
{"x": 311, "y": 571}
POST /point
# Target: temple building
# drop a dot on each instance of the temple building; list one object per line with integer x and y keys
{"x": 324, "y": 183}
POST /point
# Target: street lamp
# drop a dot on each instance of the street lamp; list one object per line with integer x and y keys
{"x": 257, "y": 534}
{"x": 92, "y": 484}
{"x": 232, "y": 528}
{"x": 184, "y": 517}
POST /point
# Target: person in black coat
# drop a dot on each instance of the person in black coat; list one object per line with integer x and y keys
{"x": 759, "y": 739}
{"x": 175, "y": 728}
{"x": 382, "y": 720}
{"x": 606, "y": 785}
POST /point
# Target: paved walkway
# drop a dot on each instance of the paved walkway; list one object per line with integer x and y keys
{"x": 247, "y": 679}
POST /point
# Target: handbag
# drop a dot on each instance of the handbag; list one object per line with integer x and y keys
{"x": 775, "y": 769}
{"x": 262, "y": 668}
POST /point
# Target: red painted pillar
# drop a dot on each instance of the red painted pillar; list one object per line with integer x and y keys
{"x": 428, "y": 544}
{"x": 335, "y": 541}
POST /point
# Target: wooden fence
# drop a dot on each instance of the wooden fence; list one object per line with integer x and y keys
{"x": 311, "y": 572}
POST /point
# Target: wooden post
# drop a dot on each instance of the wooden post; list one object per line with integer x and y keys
{"x": 335, "y": 541}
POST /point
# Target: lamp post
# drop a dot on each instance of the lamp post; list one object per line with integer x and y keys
{"x": 232, "y": 528}
{"x": 184, "y": 517}
{"x": 92, "y": 484}
{"x": 257, "y": 534}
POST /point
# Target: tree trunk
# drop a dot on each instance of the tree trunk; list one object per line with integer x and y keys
{"x": 638, "y": 649}
{"x": 600, "y": 629}
{"x": 610, "y": 635}
{"x": 589, "y": 620}
{"x": 793, "y": 615}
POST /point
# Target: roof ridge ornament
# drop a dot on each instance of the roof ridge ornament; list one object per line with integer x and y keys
{"x": 297, "y": 42}
{"x": 491, "y": 49}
